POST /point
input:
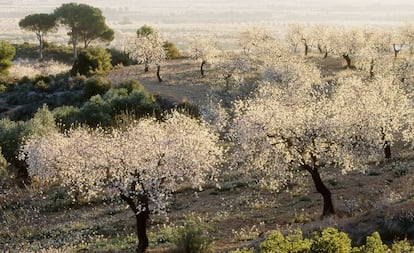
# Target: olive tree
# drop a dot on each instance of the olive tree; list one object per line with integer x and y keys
{"x": 40, "y": 24}
{"x": 142, "y": 164}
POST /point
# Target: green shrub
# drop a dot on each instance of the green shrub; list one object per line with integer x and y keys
{"x": 131, "y": 85}
{"x": 172, "y": 50}
{"x": 374, "y": 244}
{"x": 192, "y": 238}
{"x": 96, "y": 112}
{"x": 402, "y": 247}
{"x": 119, "y": 57}
{"x": 11, "y": 136}
{"x": 292, "y": 243}
{"x": 138, "y": 103}
{"x": 42, "y": 123}
{"x": 66, "y": 115}
{"x": 95, "y": 86}
{"x": 331, "y": 241}
{"x": 7, "y": 52}
{"x": 94, "y": 60}
{"x": 3, "y": 164}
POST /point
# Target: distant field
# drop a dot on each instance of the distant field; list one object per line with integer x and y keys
{"x": 180, "y": 19}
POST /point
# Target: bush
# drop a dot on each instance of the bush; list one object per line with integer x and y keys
{"x": 172, "y": 50}
{"x": 66, "y": 115}
{"x": 192, "y": 238}
{"x": 7, "y": 52}
{"x": 119, "y": 57}
{"x": 42, "y": 123}
{"x": 95, "y": 86}
{"x": 96, "y": 112}
{"x": 374, "y": 244}
{"x": 131, "y": 85}
{"x": 292, "y": 243}
{"x": 11, "y": 136}
{"x": 94, "y": 60}
{"x": 331, "y": 241}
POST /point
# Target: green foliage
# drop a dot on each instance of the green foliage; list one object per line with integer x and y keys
{"x": 95, "y": 86}
{"x": 374, "y": 244}
{"x": 42, "y": 123}
{"x": 96, "y": 112}
{"x": 292, "y": 243}
{"x": 66, "y": 115}
{"x": 402, "y": 247}
{"x": 331, "y": 241}
{"x": 7, "y": 52}
{"x": 145, "y": 30}
{"x": 131, "y": 85}
{"x": 119, "y": 57}
{"x": 3, "y": 163}
{"x": 92, "y": 61}
{"x": 11, "y": 135}
{"x": 52, "y": 51}
{"x": 192, "y": 238}
{"x": 85, "y": 23}
{"x": 172, "y": 50}
{"x": 40, "y": 24}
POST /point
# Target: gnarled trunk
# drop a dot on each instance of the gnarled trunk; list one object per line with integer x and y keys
{"x": 387, "y": 150}
{"x": 202, "y": 68}
{"x": 328, "y": 207}
{"x": 141, "y": 217}
{"x": 158, "y": 73}
{"x": 347, "y": 59}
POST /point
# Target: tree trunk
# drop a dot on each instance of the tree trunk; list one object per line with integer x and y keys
{"x": 41, "y": 43}
{"x": 320, "y": 49}
{"x": 396, "y": 51}
{"x": 371, "y": 69}
{"x": 387, "y": 150}
{"x": 74, "y": 44}
{"x": 158, "y": 73}
{"x": 202, "y": 68}
{"x": 143, "y": 241}
{"x": 328, "y": 207}
{"x": 146, "y": 68}
{"x": 306, "y": 49}
{"x": 325, "y": 55}
{"x": 347, "y": 59}
{"x": 141, "y": 217}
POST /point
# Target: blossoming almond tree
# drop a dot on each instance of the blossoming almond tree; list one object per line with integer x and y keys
{"x": 278, "y": 133}
{"x": 205, "y": 50}
{"x": 143, "y": 163}
{"x": 149, "y": 50}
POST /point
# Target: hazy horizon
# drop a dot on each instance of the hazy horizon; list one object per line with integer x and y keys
{"x": 180, "y": 18}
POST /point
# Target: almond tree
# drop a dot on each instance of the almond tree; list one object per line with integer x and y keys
{"x": 374, "y": 53}
{"x": 347, "y": 42}
{"x": 148, "y": 49}
{"x": 380, "y": 108}
{"x": 285, "y": 129}
{"x": 143, "y": 164}
{"x": 204, "y": 50}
